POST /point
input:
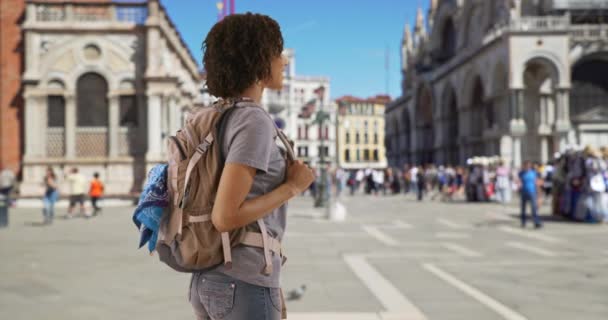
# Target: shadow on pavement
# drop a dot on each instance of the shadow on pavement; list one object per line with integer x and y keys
{"x": 35, "y": 224}
{"x": 555, "y": 219}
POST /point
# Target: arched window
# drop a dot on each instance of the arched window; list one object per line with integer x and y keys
{"x": 91, "y": 116}
{"x": 92, "y": 97}
{"x": 55, "y": 134}
{"x": 128, "y": 111}
{"x": 425, "y": 125}
{"x": 56, "y": 112}
{"x": 452, "y": 129}
{"x": 477, "y": 109}
{"x": 589, "y": 91}
{"x": 448, "y": 41}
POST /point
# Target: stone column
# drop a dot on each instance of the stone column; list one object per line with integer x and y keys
{"x": 544, "y": 149}
{"x": 516, "y": 152}
{"x": 154, "y": 128}
{"x": 142, "y": 127}
{"x": 506, "y": 148}
{"x": 153, "y": 38}
{"x": 43, "y": 115}
{"x": 464, "y": 130}
{"x": 69, "y": 12}
{"x": 519, "y": 94}
{"x": 114, "y": 125}
{"x": 31, "y": 13}
{"x": 70, "y": 126}
{"x": 544, "y": 130}
{"x": 562, "y": 119}
{"x": 32, "y": 54}
{"x": 562, "y": 122}
{"x": 174, "y": 116}
{"x": 517, "y": 125}
{"x": 544, "y": 109}
{"x": 35, "y": 131}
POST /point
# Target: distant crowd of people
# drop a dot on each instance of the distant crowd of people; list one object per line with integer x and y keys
{"x": 78, "y": 189}
{"x": 580, "y": 184}
{"x": 438, "y": 182}
{"x": 575, "y": 183}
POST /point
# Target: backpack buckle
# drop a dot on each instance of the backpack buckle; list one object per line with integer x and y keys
{"x": 202, "y": 148}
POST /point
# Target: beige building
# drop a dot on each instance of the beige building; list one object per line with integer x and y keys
{"x": 360, "y": 132}
{"x": 104, "y": 85}
{"x": 521, "y": 79}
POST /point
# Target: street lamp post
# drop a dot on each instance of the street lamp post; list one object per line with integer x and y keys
{"x": 321, "y": 199}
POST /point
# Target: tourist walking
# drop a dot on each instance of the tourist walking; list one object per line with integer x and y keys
{"x": 77, "y": 186}
{"x": 503, "y": 183}
{"x": 528, "y": 185}
{"x": 96, "y": 191}
{"x": 51, "y": 194}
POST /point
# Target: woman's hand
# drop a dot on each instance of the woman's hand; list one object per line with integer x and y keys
{"x": 299, "y": 176}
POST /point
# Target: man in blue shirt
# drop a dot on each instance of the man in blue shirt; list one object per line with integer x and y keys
{"x": 528, "y": 178}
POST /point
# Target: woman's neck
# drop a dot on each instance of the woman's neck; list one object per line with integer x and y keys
{"x": 253, "y": 92}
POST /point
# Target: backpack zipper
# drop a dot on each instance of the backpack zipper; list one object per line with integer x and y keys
{"x": 182, "y": 153}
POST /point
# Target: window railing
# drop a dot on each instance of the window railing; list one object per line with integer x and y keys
{"x": 544, "y": 23}
{"x": 91, "y": 141}
{"x": 50, "y": 12}
{"x": 55, "y": 142}
{"x": 74, "y": 12}
{"x": 589, "y": 32}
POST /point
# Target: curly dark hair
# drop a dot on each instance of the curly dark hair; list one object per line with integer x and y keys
{"x": 238, "y": 51}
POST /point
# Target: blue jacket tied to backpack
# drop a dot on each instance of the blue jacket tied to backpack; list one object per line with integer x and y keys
{"x": 153, "y": 201}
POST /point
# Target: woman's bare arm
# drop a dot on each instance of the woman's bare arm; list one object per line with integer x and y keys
{"x": 232, "y": 211}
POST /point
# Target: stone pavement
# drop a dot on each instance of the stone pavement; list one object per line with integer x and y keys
{"x": 393, "y": 258}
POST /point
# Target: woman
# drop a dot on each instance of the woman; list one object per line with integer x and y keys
{"x": 50, "y": 195}
{"x": 503, "y": 183}
{"x": 243, "y": 57}
{"x": 421, "y": 182}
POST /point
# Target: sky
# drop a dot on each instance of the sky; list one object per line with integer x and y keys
{"x": 345, "y": 40}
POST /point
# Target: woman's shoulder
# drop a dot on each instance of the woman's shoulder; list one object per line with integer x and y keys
{"x": 251, "y": 114}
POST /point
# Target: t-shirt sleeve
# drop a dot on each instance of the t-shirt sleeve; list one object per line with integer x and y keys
{"x": 250, "y": 138}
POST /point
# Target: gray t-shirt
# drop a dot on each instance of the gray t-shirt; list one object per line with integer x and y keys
{"x": 250, "y": 140}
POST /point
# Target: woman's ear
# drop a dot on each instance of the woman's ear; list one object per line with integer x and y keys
{"x": 261, "y": 84}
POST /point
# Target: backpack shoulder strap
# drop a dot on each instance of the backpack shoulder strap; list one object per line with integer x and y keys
{"x": 220, "y": 128}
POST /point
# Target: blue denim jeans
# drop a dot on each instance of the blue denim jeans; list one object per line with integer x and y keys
{"x": 529, "y": 197}
{"x": 215, "y": 296}
{"x": 49, "y": 205}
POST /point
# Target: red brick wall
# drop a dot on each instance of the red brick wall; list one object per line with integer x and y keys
{"x": 11, "y": 68}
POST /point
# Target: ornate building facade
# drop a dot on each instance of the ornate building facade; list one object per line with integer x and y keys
{"x": 360, "y": 132}
{"x": 521, "y": 79}
{"x": 104, "y": 85}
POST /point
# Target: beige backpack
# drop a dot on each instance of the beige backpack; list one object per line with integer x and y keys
{"x": 188, "y": 241}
